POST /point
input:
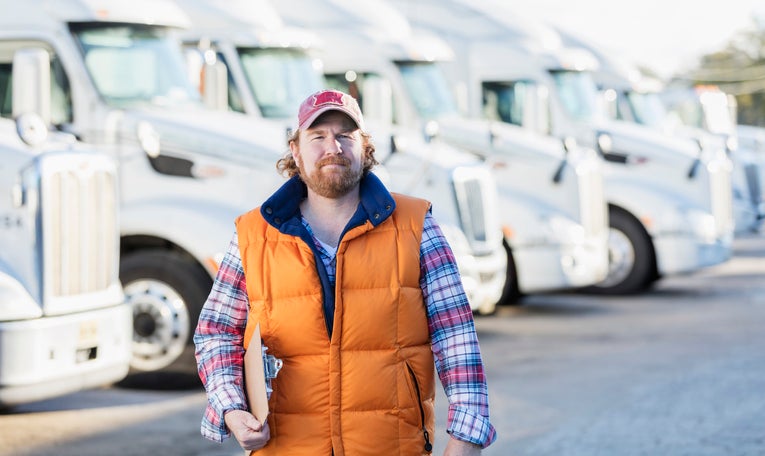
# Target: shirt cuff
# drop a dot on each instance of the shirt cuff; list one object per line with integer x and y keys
{"x": 469, "y": 426}
{"x": 213, "y": 424}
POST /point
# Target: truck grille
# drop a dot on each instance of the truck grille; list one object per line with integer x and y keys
{"x": 79, "y": 227}
{"x": 592, "y": 203}
{"x": 476, "y": 195}
{"x": 722, "y": 198}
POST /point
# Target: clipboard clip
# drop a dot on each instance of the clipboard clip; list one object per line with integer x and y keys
{"x": 271, "y": 367}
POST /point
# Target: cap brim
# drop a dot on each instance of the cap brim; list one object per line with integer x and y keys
{"x": 312, "y": 118}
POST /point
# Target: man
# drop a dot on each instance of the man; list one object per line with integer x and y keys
{"x": 357, "y": 291}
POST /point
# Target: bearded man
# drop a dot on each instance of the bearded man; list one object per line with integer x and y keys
{"x": 357, "y": 291}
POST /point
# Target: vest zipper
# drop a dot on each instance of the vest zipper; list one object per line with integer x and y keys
{"x": 428, "y": 445}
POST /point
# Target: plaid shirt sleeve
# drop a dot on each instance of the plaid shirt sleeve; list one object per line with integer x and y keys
{"x": 454, "y": 340}
{"x": 219, "y": 340}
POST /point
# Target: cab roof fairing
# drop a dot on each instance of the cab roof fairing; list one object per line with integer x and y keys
{"x": 143, "y": 12}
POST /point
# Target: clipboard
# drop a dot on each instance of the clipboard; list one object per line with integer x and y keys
{"x": 255, "y": 377}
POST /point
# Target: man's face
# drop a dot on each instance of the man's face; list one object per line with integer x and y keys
{"x": 329, "y": 155}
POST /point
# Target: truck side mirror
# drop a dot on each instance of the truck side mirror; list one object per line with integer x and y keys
{"x": 215, "y": 85}
{"x": 31, "y": 83}
{"x": 213, "y": 78}
{"x": 378, "y": 100}
{"x": 569, "y": 144}
{"x": 609, "y": 99}
{"x": 462, "y": 98}
{"x": 693, "y": 170}
{"x": 209, "y": 75}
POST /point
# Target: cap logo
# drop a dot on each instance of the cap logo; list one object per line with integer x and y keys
{"x": 327, "y": 98}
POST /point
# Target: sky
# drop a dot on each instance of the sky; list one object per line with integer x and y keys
{"x": 667, "y": 36}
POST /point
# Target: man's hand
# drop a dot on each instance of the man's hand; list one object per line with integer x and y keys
{"x": 247, "y": 429}
{"x": 459, "y": 448}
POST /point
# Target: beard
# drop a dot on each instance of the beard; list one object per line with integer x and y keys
{"x": 331, "y": 183}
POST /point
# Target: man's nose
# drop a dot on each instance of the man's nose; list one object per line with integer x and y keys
{"x": 334, "y": 145}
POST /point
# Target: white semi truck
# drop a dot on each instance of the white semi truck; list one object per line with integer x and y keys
{"x": 704, "y": 115}
{"x": 118, "y": 81}
{"x": 705, "y": 109}
{"x": 550, "y": 200}
{"x": 270, "y": 70}
{"x": 669, "y": 201}
{"x": 64, "y": 325}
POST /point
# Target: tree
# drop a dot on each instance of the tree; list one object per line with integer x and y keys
{"x": 738, "y": 69}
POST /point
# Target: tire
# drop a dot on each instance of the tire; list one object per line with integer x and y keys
{"x": 167, "y": 292}
{"x": 511, "y": 294}
{"x": 632, "y": 261}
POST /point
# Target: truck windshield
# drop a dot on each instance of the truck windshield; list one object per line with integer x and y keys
{"x": 647, "y": 108}
{"x": 578, "y": 95}
{"x": 353, "y": 83}
{"x": 706, "y": 109}
{"x": 134, "y": 64}
{"x": 279, "y": 79}
{"x": 427, "y": 86}
{"x": 506, "y": 101}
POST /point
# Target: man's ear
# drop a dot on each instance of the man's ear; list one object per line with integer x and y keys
{"x": 295, "y": 150}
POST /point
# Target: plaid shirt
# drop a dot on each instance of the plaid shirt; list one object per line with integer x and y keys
{"x": 220, "y": 334}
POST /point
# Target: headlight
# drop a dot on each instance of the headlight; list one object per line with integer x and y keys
{"x": 148, "y": 138}
{"x": 731, "y": 143}
{"x": 545, "y": 231}
{"x": 562, "y": 230}
{"x": 702, "y": 225}
{"x": 605, "y": 143}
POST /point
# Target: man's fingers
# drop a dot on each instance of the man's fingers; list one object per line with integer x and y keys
{"x": 249, "y": 432}
{"x": 255, "y": 440}
{"x": 251, "y": 422}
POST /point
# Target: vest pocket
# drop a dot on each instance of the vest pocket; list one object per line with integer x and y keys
{"x": 418, "y": 399}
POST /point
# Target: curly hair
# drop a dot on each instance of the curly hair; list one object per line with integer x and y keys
{"x": 288, "y": 166}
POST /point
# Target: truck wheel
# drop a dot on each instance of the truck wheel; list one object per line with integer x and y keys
{"x": 167, "y": 292}
{"x": 632, "y": 262}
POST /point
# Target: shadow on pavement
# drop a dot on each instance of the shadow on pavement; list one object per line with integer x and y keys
{"x": 161, "y": 381}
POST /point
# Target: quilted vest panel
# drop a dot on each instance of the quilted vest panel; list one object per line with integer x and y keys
{"x": 370, "y": 389}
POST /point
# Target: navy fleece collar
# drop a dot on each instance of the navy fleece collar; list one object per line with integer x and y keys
{"x": 282, "y": 209}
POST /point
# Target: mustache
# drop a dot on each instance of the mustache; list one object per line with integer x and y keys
{"x": 335, "y": 160}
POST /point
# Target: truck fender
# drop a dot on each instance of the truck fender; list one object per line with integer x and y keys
{"x": 203, "y": 229}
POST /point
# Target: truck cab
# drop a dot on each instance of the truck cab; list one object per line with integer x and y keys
{"x": 64, "y": 325}
{"x": 118, "y": 82}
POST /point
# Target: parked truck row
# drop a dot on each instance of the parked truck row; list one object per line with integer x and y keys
{"x": 669, "y": 202}
{"x": 161, "y": 121}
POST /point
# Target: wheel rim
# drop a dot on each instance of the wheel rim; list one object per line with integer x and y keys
{"x": 621, "y": 258}
{"x": 160, "y": 323}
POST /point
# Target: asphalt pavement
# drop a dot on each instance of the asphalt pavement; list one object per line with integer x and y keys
{"x": 679, "y": 370}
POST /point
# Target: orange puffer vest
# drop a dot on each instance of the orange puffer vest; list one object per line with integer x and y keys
{"x": 370, "y": 389}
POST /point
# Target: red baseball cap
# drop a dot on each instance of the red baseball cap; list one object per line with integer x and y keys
{"x": 328, "y": 100}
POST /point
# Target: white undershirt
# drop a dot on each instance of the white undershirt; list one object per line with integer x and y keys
{"x": 332, "y": 251}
